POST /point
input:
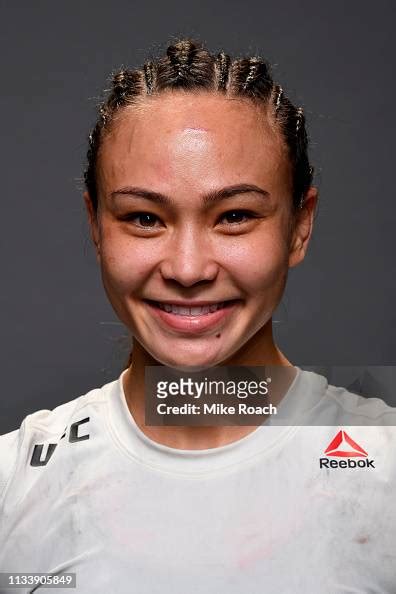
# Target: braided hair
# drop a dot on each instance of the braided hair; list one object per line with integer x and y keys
{"x": 190, "y": 66}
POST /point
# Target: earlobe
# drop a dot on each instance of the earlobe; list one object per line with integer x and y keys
{"x": 303, "y": 227}
{"x": 93, "y": 223}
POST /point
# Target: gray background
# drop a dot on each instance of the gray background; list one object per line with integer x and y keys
{"x": 60, "y": 337}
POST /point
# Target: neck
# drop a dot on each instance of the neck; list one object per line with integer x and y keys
{"x": 260, "y": 350}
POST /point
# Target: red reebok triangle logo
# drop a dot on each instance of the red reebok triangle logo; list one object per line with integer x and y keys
{"x": 343, "y": 446}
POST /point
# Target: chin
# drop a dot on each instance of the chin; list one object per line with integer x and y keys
{"x": 187, "y": 362}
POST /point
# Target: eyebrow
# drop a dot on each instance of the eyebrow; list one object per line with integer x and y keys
{"x": 210, "y": 198}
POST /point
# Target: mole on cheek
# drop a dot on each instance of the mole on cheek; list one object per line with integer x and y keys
{"x": 218, "y": 335}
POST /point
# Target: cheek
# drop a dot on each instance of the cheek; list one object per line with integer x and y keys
{"x": 125, "y": 264}
{"x": 260, "y": 263}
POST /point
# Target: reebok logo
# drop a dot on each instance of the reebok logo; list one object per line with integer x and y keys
{"x": 343, "y": 446}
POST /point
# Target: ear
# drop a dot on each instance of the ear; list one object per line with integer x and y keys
{"x": 303, "y": 227}
{"x": 93, "y": 223}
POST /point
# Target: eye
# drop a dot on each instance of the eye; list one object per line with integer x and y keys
{"x": 142, "y": 219}
{"x": 237, "y": 217}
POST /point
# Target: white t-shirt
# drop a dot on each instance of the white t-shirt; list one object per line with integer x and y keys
{"x": 269, "y": 513}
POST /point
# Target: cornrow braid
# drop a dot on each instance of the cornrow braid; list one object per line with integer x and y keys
{"x": 190, "y": 66}
{"x": 299, "y": 115}
{"x": 223, "y": 62}
{"x": 181, "y": 56}
{"x": 186, "y": 65}
{"x": 123, "y": 82}
{"x": 251, "y": 76}
{"x": 149, "y": 76}
{"x": 291, "y": 123}
{"x": 278, "y": 97}
{"x": 90, "y": 171}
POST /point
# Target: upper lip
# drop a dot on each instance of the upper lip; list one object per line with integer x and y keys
{"x": 183, "y": 303}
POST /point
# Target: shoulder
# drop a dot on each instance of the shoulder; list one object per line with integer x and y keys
{"x": 8, "y": 454}
{"x": 340, "y": 405}
{"x": 369, "y": 410}
{"x": 44, "y": 426}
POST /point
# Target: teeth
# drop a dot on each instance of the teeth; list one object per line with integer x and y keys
{"x": 190, "y": 311}
{"x": 184, "y": 311}
{"x": 196, "y": 311}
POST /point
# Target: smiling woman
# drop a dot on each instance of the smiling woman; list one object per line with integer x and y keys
{"x": 200, "y": 199}
{"x": 184, "y": 226}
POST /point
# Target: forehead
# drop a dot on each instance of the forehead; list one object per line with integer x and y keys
{"x": 179, "y": 136}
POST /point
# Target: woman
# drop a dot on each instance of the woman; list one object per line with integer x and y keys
{"x": 200, "y": 198}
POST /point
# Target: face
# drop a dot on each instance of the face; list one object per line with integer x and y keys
{"x": 195, "y": 231}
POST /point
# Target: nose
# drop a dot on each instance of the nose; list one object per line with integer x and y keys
{"x": 189, "y": 258}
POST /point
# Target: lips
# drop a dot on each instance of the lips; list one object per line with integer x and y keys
{"x": 185, "y": 310}
{"x": 192, "y": 317}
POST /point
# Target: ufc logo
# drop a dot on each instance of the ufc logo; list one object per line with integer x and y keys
{"x": 38, "y": 460}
